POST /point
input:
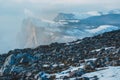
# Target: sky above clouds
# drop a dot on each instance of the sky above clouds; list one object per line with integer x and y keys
{"x": 43, "y": 7}
{"x": 12, "y": 13}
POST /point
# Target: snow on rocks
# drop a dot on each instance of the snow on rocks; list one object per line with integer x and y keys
{"x": 42, "y": 76}
{"x": 111, "y": 73}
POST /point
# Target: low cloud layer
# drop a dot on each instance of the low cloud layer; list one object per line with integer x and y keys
{"x": 12, "y": 13}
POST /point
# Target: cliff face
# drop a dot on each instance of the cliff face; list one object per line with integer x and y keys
{"x": 33, "y": 34}
{"x": 28, "y": 35}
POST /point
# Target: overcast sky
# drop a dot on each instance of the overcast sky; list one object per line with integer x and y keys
{"x": 12, "y": 12}
{"x": 43, "y": 7}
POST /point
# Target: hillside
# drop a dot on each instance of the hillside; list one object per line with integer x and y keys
{"x": 62, "y": 60}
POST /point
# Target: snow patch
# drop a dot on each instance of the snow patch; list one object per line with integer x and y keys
{"x": 103, "y": 28}
{"x": 113, "y": 73}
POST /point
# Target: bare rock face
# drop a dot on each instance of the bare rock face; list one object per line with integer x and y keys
{"x": 34, "y": 33}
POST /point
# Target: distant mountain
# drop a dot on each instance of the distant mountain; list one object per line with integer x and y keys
{"x": 108, "y": 19}
{"x": 83, "y": 15}
{"x": 92, "y": 21}
{"x": 64, "y": 16}
{"x": 116, "y": 11}
{"x": 39, "y": 32}
{"x": 66, "y": 27}
{"x": 87, "y": 14}
{"x": 76, "y": 16}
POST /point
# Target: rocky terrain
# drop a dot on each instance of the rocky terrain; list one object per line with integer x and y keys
{"x": 62, "y": 61}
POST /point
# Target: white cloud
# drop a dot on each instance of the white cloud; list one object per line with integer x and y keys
{"x": 28, "y": 12}
{"x": 30, "y": 1}
{"x": 67, "y": 1}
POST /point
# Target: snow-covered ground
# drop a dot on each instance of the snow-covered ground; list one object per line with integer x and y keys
{"x": 103, "y": 28}
{"x": 105, "y": 73}
{"x": 109, "y": 73}
{"x": 67, "y": 72}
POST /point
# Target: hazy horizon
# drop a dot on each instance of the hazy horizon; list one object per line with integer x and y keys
{"x": 12, "y": 13}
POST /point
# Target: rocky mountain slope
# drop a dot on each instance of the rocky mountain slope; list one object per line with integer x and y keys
{"x": 63, "y": 61}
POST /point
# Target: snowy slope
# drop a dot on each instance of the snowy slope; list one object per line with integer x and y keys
{"x": 102, "y": 29}
{"x": 109, "y": 73}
